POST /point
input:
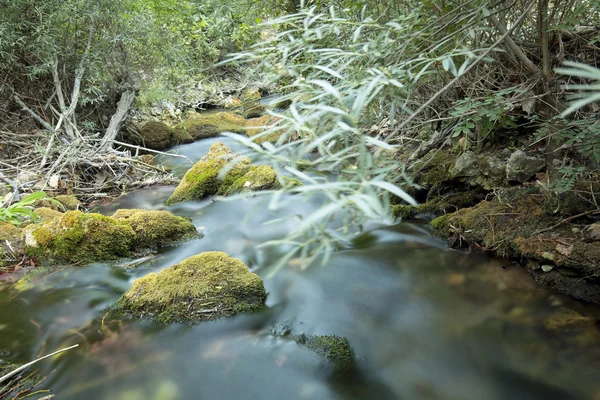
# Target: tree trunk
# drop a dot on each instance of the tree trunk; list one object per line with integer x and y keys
{"x": 118, "y": 118}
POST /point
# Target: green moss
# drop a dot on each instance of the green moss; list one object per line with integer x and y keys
{"x": 180, "y": 136}
{"x": 256, "y": 126}
{"x": 155, "y": 229}
{"x": 9, "y": 232}
{"x": 435, "y": 169}
{"x": 442, "y": 223}
{"x": 79, "y": 238}
{"x": 250, "y": 94}
{"x": 438, "y": 205}
{"x": 156, "y": 135}
{"x": 200, "y": 126}
{"x": 45, "y": 213}
{"x": 203, "y": 287}
{"x": 69, "y": 202}
{"x": 335, "y": 349}
{"x": 261, "y": 177}
{"x": 203, "y": 178}
{"x": 253, "y": 109}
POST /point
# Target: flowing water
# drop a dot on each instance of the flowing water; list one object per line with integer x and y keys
{"x": 425, "y": 321}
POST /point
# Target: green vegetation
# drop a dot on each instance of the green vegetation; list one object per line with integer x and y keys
{"x": 200, "y": 288}
{"x": 21, "y": 211}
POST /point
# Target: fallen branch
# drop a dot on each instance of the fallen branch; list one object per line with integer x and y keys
{"x": 151, "y": 151}
{"x": 594, "y": 212}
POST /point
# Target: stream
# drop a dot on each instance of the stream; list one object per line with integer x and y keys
{"x": 425, "y": 321}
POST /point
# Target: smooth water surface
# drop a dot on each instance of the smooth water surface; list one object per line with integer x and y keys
{"x": 425, "y": 321}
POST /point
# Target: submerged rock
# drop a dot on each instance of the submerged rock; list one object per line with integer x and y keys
{"x": 333, "y": 348}
{"x": 155, "y": 229}
{"x": 204, "y": 287}
{"x": 200, "y": 126}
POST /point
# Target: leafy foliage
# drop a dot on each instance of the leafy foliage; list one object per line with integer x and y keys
{"x": 22, "y": 211}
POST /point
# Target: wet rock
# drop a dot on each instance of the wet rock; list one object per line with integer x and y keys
{"x": 79, "y": 238}
{"x": 521, "y": 167}
{"x": 155, "y": 229}
{"x": 200, "y": 126}
{"x": 204, "y": 287}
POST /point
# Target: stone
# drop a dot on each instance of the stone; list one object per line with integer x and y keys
{"x": 155, "y": 228}
{"x": 204, "y": 287}
{"x": 521, "y": 167}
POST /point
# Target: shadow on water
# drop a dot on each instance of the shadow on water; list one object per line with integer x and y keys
{"x": 425, "y": 321}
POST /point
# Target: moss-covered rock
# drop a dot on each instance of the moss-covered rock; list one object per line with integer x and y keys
{"x": 79, "y": 238}
{"x": 200, "y": 126}
{"x": 159, "y": 136}
{"x": 155, "y": 229}
{"x": 231, "y": 102}
{"x": 252, "y": 109}
{"x": 261, "y": 177}
{"x": 156, "y": 135}
{"x": 259, "y": 125}
{"x": 45, "y": 213}
{"x": 335, "y": 349}
{"x": 203, "y": 178}
{"x": 250, "y": 94}
{"x": 200, "y": 288}
{"x": 59, "y": 203}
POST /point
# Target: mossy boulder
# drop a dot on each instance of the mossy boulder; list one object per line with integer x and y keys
{"x": 204, "y": 287}
{"x": 203, "y": 178}
{"x": 79, "y": 238}
{"x": 442, "y": 204}
{"x": 252, "y": 109}
{"x": 335, "y": 349}
{"x": 231, "y": 102}
{"x": 45, "y": 213}
{"x": 259, "y": 125}
{"x": 250, "y": 94}
{"x": 203, "y": 126}
{"x": 60, "y": 203}
{"x": 155, "y": 229}
{"x": 261, "y": 177}
{"x": 159, "y": 136}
